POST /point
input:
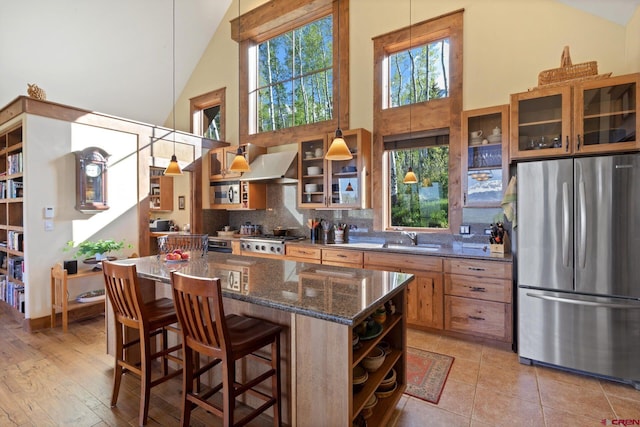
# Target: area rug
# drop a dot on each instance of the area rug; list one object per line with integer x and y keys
{"x": 426, "y": 374}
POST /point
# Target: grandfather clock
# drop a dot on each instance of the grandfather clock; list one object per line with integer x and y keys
{"x": 91, "y": 180}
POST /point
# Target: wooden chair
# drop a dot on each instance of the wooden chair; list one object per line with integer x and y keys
{"x": 149, "y": 319}
{"x": 207, "y": 331}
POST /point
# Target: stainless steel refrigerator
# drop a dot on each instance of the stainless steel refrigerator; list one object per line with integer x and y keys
{"x": 578, "y": 263}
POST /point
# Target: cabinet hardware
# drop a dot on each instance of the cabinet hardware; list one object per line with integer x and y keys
{"x": 476, "y": 269}
{"x": 478, "y": 289}
{"x": 578, "y": 142}
{"x": 567, "y": 147}
{"x": 476, "y": 318}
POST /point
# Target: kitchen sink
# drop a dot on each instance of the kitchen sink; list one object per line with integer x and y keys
{"x": 425, "y": 247}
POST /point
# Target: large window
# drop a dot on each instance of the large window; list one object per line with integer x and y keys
{"x": 424, "y": 203}
{"x": 294, "y": 70}
{"x": 295, "y": 76}
{"x": 417, "y": 105}
{"x": 419, "y": 74}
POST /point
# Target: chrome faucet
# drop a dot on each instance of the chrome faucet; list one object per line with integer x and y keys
{"x": 413, "y": 236}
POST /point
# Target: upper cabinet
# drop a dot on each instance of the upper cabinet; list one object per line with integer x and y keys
{"x": 221, "y": 158}
{"x": 485, "y": 155}
{"x": 593, "y": 116}
{"x": 161, "y": 191}
{"x": 335, "y": 184}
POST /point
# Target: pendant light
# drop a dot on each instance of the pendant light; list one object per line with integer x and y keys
{"x": 338, "y": 150}
{"x": 174, "y": 168}
{"x": 239, "y": 163}
{"x": 410, "y": 177}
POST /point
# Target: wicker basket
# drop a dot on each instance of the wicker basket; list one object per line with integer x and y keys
{"x": 567, "y": 70}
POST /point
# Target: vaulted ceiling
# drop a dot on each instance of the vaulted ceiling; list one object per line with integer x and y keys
{"x": 115, "y": 56}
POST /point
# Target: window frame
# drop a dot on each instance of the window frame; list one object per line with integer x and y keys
{"x": 277, "y": 17}
{"x": 202, "y": 102}
{"x": 419, "y": 117}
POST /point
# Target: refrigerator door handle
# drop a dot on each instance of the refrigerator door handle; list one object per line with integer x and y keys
{"x": 565, "y": 224}
{"x": 581, "y": 302}
{"x": 582, "y": 257}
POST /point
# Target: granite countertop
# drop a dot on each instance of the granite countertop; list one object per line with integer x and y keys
{"x": 462, "y": 250}
{"x": 337, "y": 294}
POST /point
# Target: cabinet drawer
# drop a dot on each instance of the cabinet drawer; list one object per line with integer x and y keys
{"x": 337, "y": 257}
{"x": 481, "y": 268}
{"x": 478, "y": 287}
{"x": 481, "y": 318}
{"x": 399, "y": 262}
{"x": 295, "y": 251}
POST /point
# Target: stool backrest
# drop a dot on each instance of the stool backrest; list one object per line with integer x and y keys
{"x": 198, "y": 303}
{"x": 196, "y": 244}
{"x": 121, "y": 284}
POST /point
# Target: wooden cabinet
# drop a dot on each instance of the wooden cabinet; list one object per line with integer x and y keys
{"x": 303, "y": 253}
{"x": 12, "y": 284}
{"x": 478, "y": 298}
{"x": 249, "y": 195}
{"x": 337, "y": 184}
{"x": 485, "y": 165}
{"x": 425, "y": 294}
{"x": 160, "y": 191}
{"x": 221, "y": 158}
{"x": 342, "y": 257}
{"x": 596, "y": 116}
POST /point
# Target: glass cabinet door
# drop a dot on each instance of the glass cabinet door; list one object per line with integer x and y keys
{"x": 485, "y": 135}
{"x": 607, "y": 114}
{"x": 311, "y": 191}
{"x": 541, "y": 123}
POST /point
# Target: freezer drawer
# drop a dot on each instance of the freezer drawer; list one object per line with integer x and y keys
{"x": 597, "y": 335}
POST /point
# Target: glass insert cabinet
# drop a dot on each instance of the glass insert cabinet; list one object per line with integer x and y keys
{"x": 485, "y": 139}
{"x": 589, "y": 117}
{"x": 335, "y": 184}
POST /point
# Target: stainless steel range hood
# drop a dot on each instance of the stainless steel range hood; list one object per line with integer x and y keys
{"x": 279, "y": 168}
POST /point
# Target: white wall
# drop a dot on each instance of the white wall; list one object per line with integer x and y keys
{"x": 50, "y": 181}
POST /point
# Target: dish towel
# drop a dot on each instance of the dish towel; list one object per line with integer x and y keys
{"x": 509, "y": 200}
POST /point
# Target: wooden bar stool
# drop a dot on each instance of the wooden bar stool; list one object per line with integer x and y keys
{"x": 207, "y": 331}
{"x": 149, "y": 319}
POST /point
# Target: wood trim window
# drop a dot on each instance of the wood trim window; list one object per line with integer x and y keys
{"x": 418, "y": 117}
{"x": 277, "y": 17}
{"x": 198, "y": 106}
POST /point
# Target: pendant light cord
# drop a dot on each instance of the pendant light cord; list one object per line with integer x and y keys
{"x": 173, "y": 44}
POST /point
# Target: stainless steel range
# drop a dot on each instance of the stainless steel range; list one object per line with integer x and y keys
{"x": 266, "y": 244}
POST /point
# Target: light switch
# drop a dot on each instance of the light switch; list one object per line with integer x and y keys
{"x": 49, "y": 212}
{"x": 48, "y": 225}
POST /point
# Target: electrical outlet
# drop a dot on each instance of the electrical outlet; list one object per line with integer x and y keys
{"x": 465, "y": 229}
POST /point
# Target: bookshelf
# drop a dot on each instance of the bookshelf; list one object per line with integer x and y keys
{"x": 11, "y": 219}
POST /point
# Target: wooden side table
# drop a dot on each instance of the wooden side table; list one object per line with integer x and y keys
{"x": 60, "y": 294}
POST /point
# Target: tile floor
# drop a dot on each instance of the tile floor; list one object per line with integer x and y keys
{"x": 487, "y": 386}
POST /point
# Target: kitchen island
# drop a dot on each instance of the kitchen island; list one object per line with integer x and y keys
{"x": 319, "y": 307}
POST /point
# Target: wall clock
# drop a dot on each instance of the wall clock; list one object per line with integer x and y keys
{"x": 91, "y": 180}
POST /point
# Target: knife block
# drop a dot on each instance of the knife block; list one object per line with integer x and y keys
{"x": 503, "y": 248}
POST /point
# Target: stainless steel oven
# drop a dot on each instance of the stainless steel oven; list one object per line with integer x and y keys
{"x": 219, "y": 245}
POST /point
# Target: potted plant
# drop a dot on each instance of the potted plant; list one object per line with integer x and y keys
{"x": 95, "y": 251}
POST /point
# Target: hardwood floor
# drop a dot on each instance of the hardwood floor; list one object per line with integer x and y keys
{"x": 49, "y": 378}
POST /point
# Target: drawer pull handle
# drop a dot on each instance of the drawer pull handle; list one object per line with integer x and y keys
{"x": 341, "y": 256}
{"x": 478, "y": 289}
{"x": 476, "y": 269}
{"x": 476, "y": 318}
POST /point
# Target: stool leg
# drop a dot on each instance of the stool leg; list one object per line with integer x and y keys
{"x": 187, "y": 384}
{"x": 228, "y": 391}
{"x": 145, "y": 380}
{"x": 117, "y": 371}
